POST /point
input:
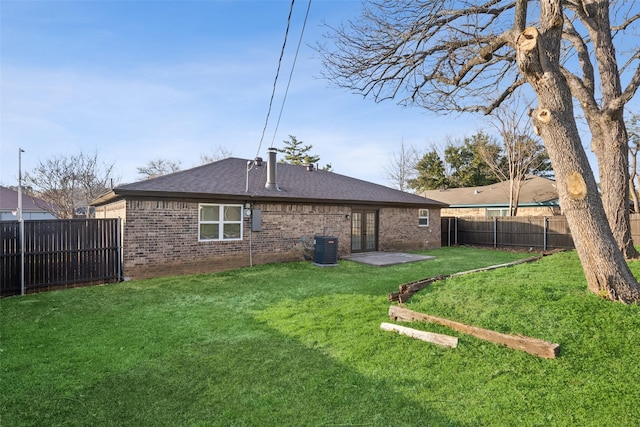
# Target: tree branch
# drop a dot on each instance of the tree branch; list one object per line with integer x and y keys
{"x": 576, "y": 40}
{"x": 580, "y": 91}
{"x": 617, "y": 103}
{"x": 626, "y": 23}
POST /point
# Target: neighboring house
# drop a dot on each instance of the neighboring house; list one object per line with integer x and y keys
{"x": 235, "y": 212}
{"x": 538, "y": 197}
{"x": 32, "y": 207}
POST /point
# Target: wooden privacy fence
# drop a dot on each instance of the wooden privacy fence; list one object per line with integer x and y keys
{"x": 59, "y": 253}
{"x": 540, "y": 233}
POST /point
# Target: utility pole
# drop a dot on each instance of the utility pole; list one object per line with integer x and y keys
{"x": 21, "y": 220}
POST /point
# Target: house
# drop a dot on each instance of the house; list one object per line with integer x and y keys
{"x": 538, "y": 197}
{"x": 32, "y": 207}
{"x": 236, "y": 212}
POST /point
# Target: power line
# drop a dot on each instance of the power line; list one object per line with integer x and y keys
{"x": 275, "y": 81}
{"x": 293, "y": 66}
{"x": 275, "y": 84}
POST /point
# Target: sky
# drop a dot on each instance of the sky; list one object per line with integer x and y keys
{"x": 139, "y": 80}
{"x": 136, "y": 81}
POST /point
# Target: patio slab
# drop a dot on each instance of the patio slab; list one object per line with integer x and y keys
{"x": 385, "y": 258}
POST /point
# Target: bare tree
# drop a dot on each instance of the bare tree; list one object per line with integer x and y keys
{"x": 158, "y": 167}
{"x": 70, "y": 183}
{"x": 603, "y": 98}
{"x": 402, "y": 167}
{"x": 522, "y": 152}
{"x": 470, "y": 56}
{"x": 218, "y": 153}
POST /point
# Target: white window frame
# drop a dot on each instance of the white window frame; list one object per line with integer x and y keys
{"x": 501, "y": 211}
{"x": 221, "y": 222}
{"x": 423, "y": 214}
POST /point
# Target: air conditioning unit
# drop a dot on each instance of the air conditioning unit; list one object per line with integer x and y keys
{"x": 326, "y": 251}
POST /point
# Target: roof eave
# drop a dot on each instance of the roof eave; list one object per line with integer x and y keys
{"x": 118, "y": 194}
{"x": 506, "y": 205}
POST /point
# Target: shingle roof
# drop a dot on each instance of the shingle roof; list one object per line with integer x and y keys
{"x": 9, "y": 201}
{"x": 228, "y": 179}
{"x": 535, "y": 190}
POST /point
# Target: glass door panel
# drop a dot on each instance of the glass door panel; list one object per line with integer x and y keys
{"x": 371, "y": 235}
{"x": 364, "y": 231}
{"x": 356, "y": 231}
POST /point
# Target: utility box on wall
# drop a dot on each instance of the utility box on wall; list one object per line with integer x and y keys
{"x": 326, "y": 251}
{"x": 256, "y": 220}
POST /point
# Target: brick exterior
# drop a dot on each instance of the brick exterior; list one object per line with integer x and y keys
{"x": 161, "y": 237}
{"x": 522, "y": 211}
{"x": 399, "y": 230}
{"x": 114, "y": 210}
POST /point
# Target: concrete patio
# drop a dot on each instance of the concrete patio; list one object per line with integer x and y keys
{"x": 385, "y": 258}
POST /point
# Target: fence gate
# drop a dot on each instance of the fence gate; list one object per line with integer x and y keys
{"x": 59, "y": 253}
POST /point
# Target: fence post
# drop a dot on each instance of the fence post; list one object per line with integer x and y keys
{"x": 120, "y": 247}
{"x": 456, "y": 231}
{"x": 22, "y": 249}
{"x": 544, "y": 230}
{"x": 449, "y": 231}
{"x": 495, "y": 231}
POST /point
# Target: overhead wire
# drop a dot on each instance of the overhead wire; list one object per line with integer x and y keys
{"x": 293, "y": 66}
{"x": 275, "y": 81}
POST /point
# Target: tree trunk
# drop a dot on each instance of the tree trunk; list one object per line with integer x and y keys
{"x": 604, "y": 266}
{"x": 609, "y": 144}
{"x": 609, "y": 133}
{"x": 634, "y": 192}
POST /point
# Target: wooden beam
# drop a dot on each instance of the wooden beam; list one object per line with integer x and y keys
{"x": 494, "y": 267}
{"x": 545, "y": 349}
{"x": 406, "y": 290}
{"x": 414, "y": 287}
{"x": 400, "y": 297}
{"x": 444, "y": 340}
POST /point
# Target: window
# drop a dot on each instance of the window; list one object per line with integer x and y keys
{"x": 493, "y": 212}
{"x": 423, "y": 217}
{"x": 220, "y": 222}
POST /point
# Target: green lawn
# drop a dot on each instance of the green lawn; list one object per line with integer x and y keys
{"x": 298, "y": 345}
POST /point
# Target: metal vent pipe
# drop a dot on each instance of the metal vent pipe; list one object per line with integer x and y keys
{"x": 272, "y": 183}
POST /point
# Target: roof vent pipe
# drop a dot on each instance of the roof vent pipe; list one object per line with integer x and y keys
{"x": 271, "y": 184}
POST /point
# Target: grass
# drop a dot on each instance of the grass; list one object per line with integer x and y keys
{"x": 297, "y": 345}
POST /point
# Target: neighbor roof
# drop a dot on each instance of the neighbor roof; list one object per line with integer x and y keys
{"x": 9, "y": 201}
{"x": 228, "y": 179}
{"x": 535, "y": 191}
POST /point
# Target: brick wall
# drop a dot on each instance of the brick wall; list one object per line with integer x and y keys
{"x": 522, "y": 211}
{"x": 161, "y": 237}
{"x": 399, "y": 230}
{"x": 113, "y": 210}
{"x": 284, "y": 225}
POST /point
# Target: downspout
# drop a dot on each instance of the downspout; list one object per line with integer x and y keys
{"x": 250, "y": 245}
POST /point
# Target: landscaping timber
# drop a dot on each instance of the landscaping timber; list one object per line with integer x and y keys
{"x": 399, "y": 296}
{"x": 420, "y": 284}
{"x": 544, "y": 349}
{"x": 493, "y": 267}
{"x": 440, "y": 339}
{"x": 408, "y": 289}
